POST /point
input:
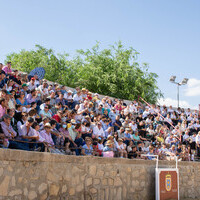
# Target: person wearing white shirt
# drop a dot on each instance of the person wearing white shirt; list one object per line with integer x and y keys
{"x": 68, "y": 96}
{"x": 186, "y": 136}
{"x": 190, "y": 117}
{"x": 37, "y": 81}
{"x": 98, "y": 131}
{"x": 43, "y": 89}
{"x": 191, "y": 125}
{"x": 145, "y": 113}
{"x": 133, "y": 126}
{"x": 83, "y": 108}
{"x": 198, "y": 144}
{"x": 170, "y": 109}
{"x": 195, "y": 118}
{"x": 77, "y": 97}
{"x": 100, "y": 145}
{"x": 31, "y": 84}
{"x": 122, "y": 148}
{"x": 169, "y": 140}
{"x": 21, "y": 122}
{"x": 168, "y": 120}
{"x": 193, "y": 144}
{"x": 132, "y": 108}
{"x": 163, "y": 151}
{"x": 112, "y": 115}
{"x": 187, "y": 112}
{"x": 197, "y": 125}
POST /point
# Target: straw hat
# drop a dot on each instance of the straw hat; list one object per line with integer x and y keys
{"x": 109, "y": 142}
{"x": 47, "y": 125}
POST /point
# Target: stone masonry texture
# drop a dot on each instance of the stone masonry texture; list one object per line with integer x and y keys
{"x": 40, "y": 176}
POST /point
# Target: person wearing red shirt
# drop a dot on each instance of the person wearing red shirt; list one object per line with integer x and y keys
{"x": 58, "y": 116}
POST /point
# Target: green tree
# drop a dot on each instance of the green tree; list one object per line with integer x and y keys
{"x": 113, "y": 71}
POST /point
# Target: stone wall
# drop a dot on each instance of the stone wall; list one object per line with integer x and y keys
{"x": 33, "y": 175}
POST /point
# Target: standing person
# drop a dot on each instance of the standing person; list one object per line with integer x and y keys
{"x": 7, "y": 68}
{"x": 198, "y": 144}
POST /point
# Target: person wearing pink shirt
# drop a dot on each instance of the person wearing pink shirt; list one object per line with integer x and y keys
{"x": 7, "y": 68}
{"x": 2, "y": 107}
{"x": 1, "y": 66}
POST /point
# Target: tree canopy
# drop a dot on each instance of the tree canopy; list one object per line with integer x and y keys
{"x": 113, "y": 71}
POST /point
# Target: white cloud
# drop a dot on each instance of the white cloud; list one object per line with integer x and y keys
{"x": 173, "y": 103}
{"x": 193, "y": 87}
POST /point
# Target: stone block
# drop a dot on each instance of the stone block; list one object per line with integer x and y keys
{"x": 92, "y": 170}
{"x": 142, "y": 171}
{"x": 75, "y": 180}
{"x": 83, "y": 177}
{"x": 53, "y": 190}
{"x": 100, "y": 173}
{"x": 4, "y": 186}
{"x": 32, "y": 185}
{"x": 80, "y": 188}
{"x": 44, "y": 197}
{"x": 64, "y": 188}
{"x": 104, "y": 181}
{"x": 42, "y": 187}
{"x": 128, "y": 169}
{"x": 119, "y": 193}
{"x": 118, "y": 181}
{"x": 52, "y": 176}
{"x": 13, "y": 181}
{"x": 5, "y": 162}
{"x": 96, "y": 181}
{"x": 20, "y": 179}
{"x": 110, "y": 181}
{"x": 102, "y": 194}
{"x": 135, "y": 183}
{"x": 1, "y": 172}
{"x": 88, "y": 181}
{"x": 113, "y": 173}
{"x": 9, "y": 168}
{"x": 93, "y": 190}
{"x": 124, "y": 191}
{"x": 72, "y": 191}
{"x": 75, "y": 170}
{"x": 135, "y": 173}
{"x": 142, "y": 183}
{"x": 15, "y": 192}
{"x": 25, "y": 192}
{"x": 32, "y": 195}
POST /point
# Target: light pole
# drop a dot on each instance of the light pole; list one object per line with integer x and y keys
{"x": 183, "y": 82}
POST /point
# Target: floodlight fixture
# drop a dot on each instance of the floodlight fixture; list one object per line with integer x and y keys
{"x": 184, "y": 81}
{"x": 172, "y": 79}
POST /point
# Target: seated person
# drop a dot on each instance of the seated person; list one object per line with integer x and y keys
{"x": 47, "y": 139}
{"x": 108, "y": 149}
{"x": 87, "y": 149}
{"x": 10, "y": 133}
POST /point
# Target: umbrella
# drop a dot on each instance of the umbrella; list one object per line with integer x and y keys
{"x": 39, "y": 71}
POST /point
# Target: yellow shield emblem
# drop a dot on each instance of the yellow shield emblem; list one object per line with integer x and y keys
{"x": 168, "y": 182}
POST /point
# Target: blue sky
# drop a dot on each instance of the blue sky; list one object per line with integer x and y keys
{"x": 166, "y": 33}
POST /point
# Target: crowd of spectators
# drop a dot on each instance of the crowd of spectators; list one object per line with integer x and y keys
{"x": 37, "y": 115}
